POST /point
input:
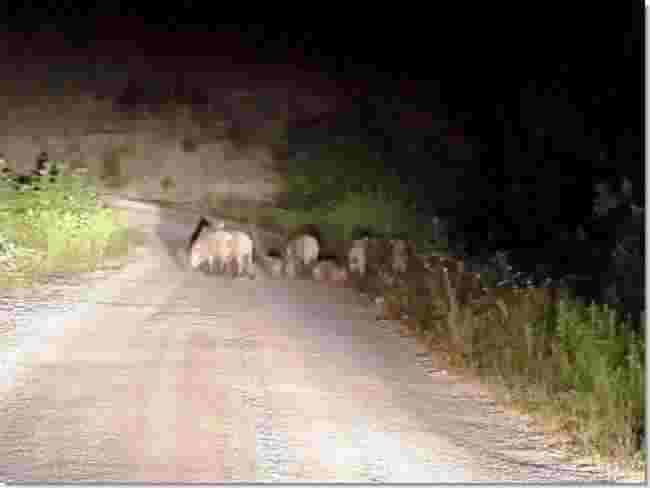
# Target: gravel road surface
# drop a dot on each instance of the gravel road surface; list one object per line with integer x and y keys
{"x": 156, "y": 373}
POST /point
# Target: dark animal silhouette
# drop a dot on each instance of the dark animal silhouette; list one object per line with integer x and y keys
{"x": 203, "y": 223}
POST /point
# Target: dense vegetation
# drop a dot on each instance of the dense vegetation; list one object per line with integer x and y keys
{"x": 52, "y": 221}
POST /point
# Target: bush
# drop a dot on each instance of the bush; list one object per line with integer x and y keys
{"x": 54, "y": 221}
{"x": 591, "y": 369}
{"x": 602, "y": 362}
{"x": 336, "y": 170}
{"x": 347, "y": 190}
{"x": 378, "y": 213}
{"x": 579, "y": 365}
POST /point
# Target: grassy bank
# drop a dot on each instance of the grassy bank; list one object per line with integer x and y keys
{"x": 54, "y": 222}
{"x": 578, "y": 369}
{"x": 346, "y": 190}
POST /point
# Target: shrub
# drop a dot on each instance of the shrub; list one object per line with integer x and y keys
{"x": 578, "y": 364}
{"x": 54, "y": 222}
{"x": 591, "y": 368}
{"x": 378, "y": 212}
{"x": 336, "y": 170}
{"x": 603, "y": 363}
{"x": 347, "y": 190}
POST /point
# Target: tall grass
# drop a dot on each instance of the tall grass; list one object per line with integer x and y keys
{"x": 600, "y": 364}
{"x": 336, "y": 170}
{"x": 54, "y": 223}
{"x": 347, "y": 190}
{"x": 579, "y": 366}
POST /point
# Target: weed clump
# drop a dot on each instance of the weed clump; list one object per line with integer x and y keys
{"x": 54, "y": 221}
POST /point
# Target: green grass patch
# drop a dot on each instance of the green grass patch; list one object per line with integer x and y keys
{"x": 579, "y": 367}
{"x": 599, "y": 366}
{"x": 353, "y": 215}
{"x": 348, "y": 191}
{"x": 61, "y": 227}
{"x": 337, "y": 170}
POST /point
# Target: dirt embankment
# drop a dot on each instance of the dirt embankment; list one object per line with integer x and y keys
{"x": 152, "y": 129}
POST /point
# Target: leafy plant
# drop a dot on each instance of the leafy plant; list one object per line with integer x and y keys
{"x": 347, "y": 190}
{"x": 54, "y": 220}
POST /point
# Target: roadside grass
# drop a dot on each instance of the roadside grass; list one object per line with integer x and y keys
{"x": 55, "y": 224}
{"x": 347, "y": 191}
{"x": 590, "y": 368}
{"x": 578, "y": 370}
{"x": 355, "y": 215}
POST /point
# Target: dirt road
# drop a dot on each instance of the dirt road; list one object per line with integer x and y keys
{"x": 169, "y": 375}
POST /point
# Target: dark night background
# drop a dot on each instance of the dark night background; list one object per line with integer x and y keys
{"x": 527, "y": 107}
